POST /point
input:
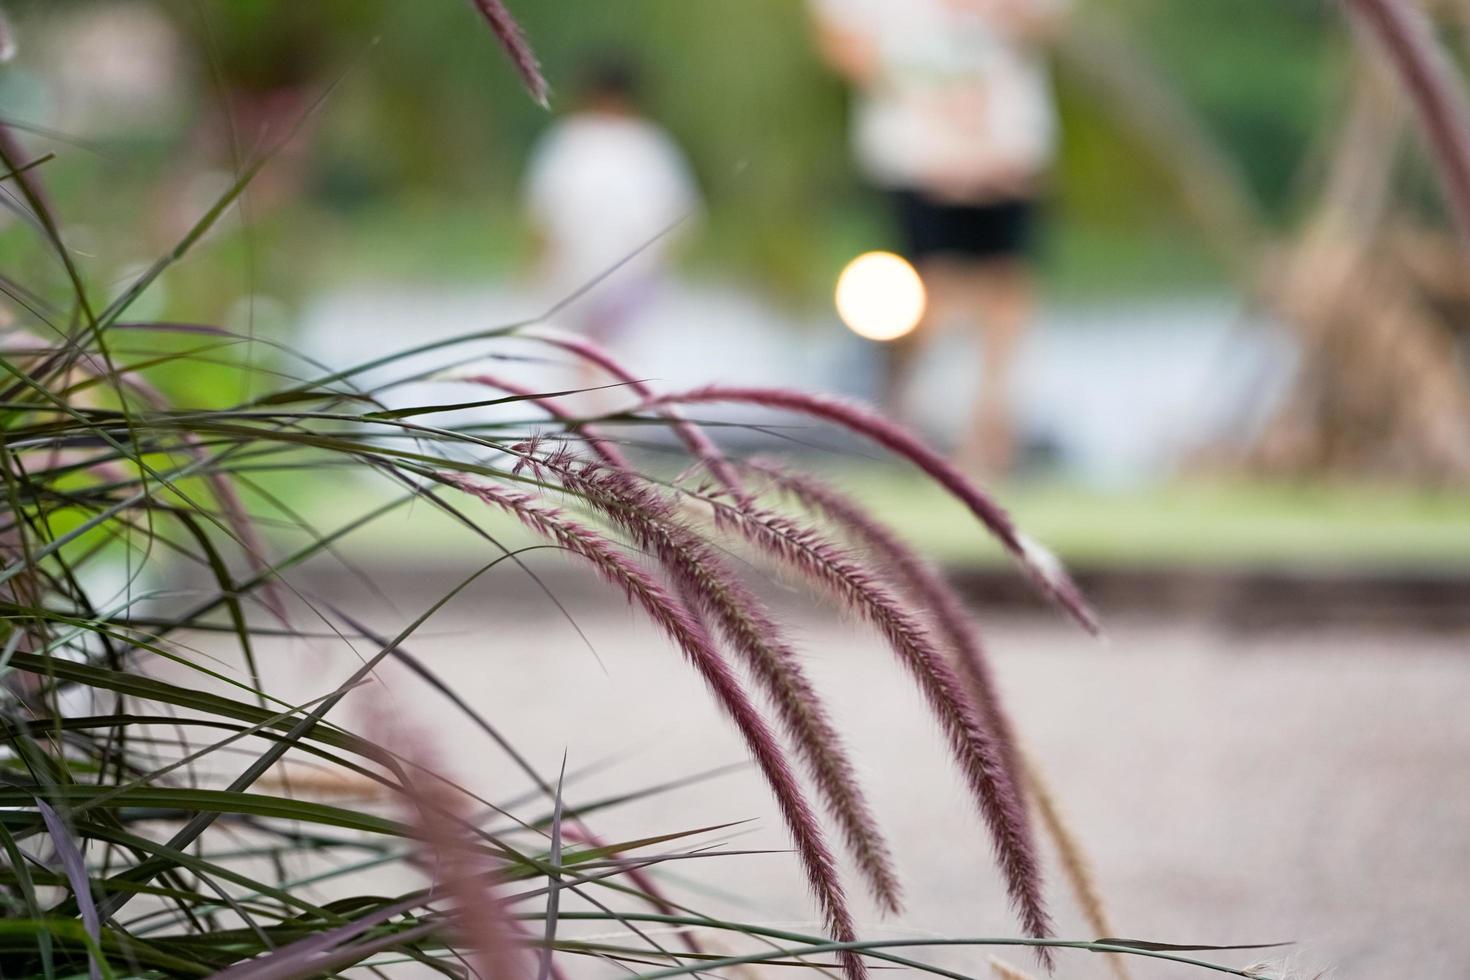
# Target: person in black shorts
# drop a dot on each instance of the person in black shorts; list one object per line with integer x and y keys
{"x": 975, "y": 260}
{"x": 955, "y": 122}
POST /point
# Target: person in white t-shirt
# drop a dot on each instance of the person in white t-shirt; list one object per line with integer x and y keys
{"x": 954, "y": 119}
{"x": 607, "y": 191}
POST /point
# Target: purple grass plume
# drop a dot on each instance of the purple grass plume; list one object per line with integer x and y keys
{"x": 1040, "y": 564}
{"x": 922, "y": 583}
{"x": 979, "y": 755}
{"x": 459, "y": 870}
{"x": 513, "y": 39}
{"x": 712, "y": 589}
{"x": 457, "y": 867}
{"x": 674, "y": 618}
{"x": 929, "y": 590}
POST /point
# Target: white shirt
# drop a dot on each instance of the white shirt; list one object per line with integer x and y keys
{"x": 599, "y": 187}
{"x": 955, "y": 98}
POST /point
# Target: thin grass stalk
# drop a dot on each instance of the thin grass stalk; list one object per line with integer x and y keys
{"x": 603, "y": 449}
{"x": 1041, "y": 565}
{"x": 674, "y": 618}
{"x": 1005, "y": 971}
{"x": 641, "y": 881}
{"x": 74, "y": 868}
{"x": 800, "y": 945}
{"x": 1407, "y": 38}
{"x": 711, "y": 588}
{"x": 691, "y": 435}
{"x": 1076, "y": 867}
{"x": 976, "y": 751}
{"x": 305, "y": 957}
{"x": 232, "y": 508}
{"x": 14, "y": 156}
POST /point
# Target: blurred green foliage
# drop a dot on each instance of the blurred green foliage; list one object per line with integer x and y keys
{"x": 1265, "y": 76}
{"x": 414, "y": 159}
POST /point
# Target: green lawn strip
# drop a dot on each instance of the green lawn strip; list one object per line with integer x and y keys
{"x": 1195, "y": 522}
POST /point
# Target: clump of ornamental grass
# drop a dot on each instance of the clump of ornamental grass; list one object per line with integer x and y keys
{"x": 150, "y": 557}
{"x": 689, "y": 635}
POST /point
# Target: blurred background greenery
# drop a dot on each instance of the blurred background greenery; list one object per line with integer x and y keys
{"x": 416, "y": 155}
{"x": 408, "y": 165}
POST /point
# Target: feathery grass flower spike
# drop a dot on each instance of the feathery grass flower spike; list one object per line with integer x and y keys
{"x": 1039, "y": 563}
{"x": 513, "y": 39}
{"x": 671, "y": 615}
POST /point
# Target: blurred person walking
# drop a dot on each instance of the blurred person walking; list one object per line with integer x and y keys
{"x": 606, "y": 189}
{"x": 955, "y": 121}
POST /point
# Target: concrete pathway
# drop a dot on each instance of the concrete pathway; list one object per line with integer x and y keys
{"x": 1307, "y": 786}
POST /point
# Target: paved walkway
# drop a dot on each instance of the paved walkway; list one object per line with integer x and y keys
{"x": 1305, "y": 786}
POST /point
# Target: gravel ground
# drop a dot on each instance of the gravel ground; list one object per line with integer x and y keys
{"x": 1306, "y": 786}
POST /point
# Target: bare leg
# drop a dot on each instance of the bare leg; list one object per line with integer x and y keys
{"x": 1004, "y": 297}
{"x": 899, "y": 357}
{"x": 945, "y": 284}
